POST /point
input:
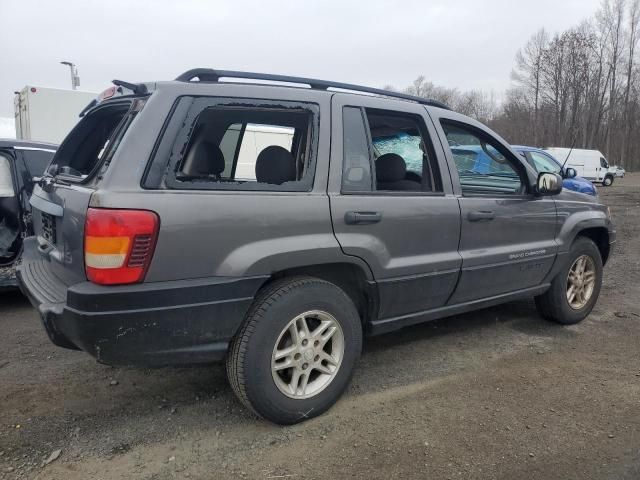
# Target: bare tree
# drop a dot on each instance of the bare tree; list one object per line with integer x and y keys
{"x": 632, "y": 42}
{"x": 528, "y": 71}
{"x": 578, "y": 87}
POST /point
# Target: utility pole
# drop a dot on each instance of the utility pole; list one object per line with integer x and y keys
{"x": 75, "y": 79}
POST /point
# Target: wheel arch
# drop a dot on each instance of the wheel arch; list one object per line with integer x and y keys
{"x": 599, "y": 236}
{"x": 351, "y": 278}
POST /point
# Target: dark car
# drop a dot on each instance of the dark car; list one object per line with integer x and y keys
{"x": 545, "y": 162}
{"x": 20, "y": 161}
{"x": 168, "y": 231}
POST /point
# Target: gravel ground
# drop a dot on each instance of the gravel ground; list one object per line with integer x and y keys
{"x": 498, "y": 393}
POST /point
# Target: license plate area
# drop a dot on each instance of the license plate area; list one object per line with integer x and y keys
{"x": 48, "y": 227}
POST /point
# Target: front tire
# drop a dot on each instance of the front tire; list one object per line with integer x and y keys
{"x": 608, "y": 181}
{"x": 574, "y": 290}
{"x": 296, "y": 351}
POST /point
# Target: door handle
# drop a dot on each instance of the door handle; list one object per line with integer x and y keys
{"x": 481, "y": 216}
{"x": 362, "y": 218}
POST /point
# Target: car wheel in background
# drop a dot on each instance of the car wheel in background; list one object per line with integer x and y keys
{"x": 608, "y": 181}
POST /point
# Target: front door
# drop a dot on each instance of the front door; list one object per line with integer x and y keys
{"x": 392, "y": 203}
{"x": 508, "y": 234}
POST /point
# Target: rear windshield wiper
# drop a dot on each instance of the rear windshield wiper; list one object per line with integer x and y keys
{"x": 50, "y": 177}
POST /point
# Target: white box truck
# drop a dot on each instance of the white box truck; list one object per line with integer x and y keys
{"x": 589, "y": 164}
{"x": 48, "y": 114}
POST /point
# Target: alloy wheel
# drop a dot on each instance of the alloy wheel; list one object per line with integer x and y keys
{"x": 581, "y": 281}
{"x": 307, "y": 354}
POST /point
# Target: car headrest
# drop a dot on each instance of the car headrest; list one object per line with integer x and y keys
{"x": 390, "y": 167}
{"x": 204, "y": 158}
{"x": 275, "y": 165}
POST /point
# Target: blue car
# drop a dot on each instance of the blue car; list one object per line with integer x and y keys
{"x": 543, "y": 162}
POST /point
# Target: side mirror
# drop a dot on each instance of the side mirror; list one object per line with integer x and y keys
{"x": 549, "y": 183}
{"x": 570, "y": 172}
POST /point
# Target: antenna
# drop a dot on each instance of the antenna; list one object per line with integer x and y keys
{"x": 573, "y": 142}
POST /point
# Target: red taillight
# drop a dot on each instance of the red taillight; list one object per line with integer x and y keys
{"x": 119, "y": 244}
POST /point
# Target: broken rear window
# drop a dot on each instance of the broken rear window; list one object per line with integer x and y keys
{"x": 92, "y": 140}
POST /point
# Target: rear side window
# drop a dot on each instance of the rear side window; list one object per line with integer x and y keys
{"x": 92, "y": 141}
{"x": 6, "y": 179}
{"x": 245, "y": 147}
{"x": 387, "y": 151}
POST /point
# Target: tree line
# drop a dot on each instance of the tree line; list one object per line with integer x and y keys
{"x": 579, "y": 88}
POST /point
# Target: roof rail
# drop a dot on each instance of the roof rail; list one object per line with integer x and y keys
{"x": 211, "y": 75}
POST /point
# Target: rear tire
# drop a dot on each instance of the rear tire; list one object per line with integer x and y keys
{"x": 608, "y": 181}
{"x": 296, "y": 351}
{"x": 571, "y": 297}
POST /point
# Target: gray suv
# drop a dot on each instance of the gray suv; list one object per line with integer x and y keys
{"x": 275, "y": 224}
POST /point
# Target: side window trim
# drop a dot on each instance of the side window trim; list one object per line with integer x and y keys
{"x": 364, "y": 124}
{"x": 372, "y": 159}
{"x": 236, "y": 154}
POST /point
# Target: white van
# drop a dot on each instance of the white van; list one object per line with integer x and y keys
{"x": 589, "y": 164}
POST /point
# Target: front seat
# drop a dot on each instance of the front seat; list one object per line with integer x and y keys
{"x": 275, "y": 165}
{"x": 391, "y": 171}
{"x": 204, "y": 159}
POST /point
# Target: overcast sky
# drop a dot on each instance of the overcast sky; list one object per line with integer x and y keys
{"x": 466, "y": 44}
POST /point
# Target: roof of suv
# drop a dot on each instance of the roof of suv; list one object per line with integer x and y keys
{"x": 12, "y": 143}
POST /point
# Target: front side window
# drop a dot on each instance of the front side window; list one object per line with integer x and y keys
{"x": 6, "y": 179}
{"x": 482, "y": 167}
{"x": 394, "y": 155}
{"x": 604, "y": 163}
{"x": 542, "y": 163}
{"x": 246, "y": 147}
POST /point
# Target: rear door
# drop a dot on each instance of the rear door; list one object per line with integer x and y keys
{"x": 398, "y": 215}
{"x": 59, "y": 205}
{"x": 508, "y": 234}
{"x": 31, "y": 163}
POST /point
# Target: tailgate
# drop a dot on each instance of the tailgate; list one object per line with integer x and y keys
{"x": 58, "y": 222}
{"x": 60, "y": 201}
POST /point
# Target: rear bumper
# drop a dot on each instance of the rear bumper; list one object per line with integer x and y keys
{"x": 149, "y": 324}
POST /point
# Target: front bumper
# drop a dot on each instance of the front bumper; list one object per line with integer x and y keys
{"x": 148, "y": 324}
